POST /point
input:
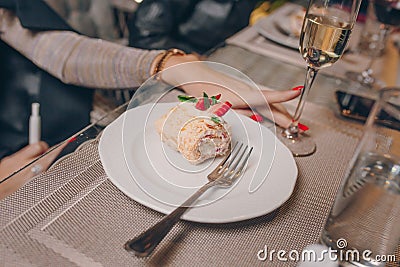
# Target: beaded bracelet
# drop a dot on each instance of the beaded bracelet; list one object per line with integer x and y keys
{"x": 161, "y": 62}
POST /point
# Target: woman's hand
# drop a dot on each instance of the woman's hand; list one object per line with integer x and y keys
{"x": 276, "y": 112}
{"x": 19, "y": 159}
{"x": 22, "y": 158}
{"x": 15, "y": 162}
{"x": 196, "y": 77}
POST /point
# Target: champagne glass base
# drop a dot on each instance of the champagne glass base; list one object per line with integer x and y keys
{"x": 301, "y": 146}
{"x": 365, "y": 79}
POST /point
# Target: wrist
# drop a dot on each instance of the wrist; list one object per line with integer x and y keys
{"x": 176, "y": 75}
{"x": 179, "y": 59}
{"x": 165, "y": 60}
{"x": 155, "y": 62}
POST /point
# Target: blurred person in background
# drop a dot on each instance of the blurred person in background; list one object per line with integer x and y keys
{"x": 45, "y": 60}
{"x": 194, "y": 26}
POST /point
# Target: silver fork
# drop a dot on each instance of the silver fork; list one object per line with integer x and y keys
{"x": 224, "y": 175}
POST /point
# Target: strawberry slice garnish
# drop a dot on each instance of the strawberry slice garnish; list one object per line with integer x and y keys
{"x": 221, "y": 108}
{"x": 204, "y": 103}
{"x": 200, "y": 104}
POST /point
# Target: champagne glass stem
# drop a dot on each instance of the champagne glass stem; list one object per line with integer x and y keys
{"x": 371, "y": 62}
{"x": 293, "y": 130}
{"x": 366, "y": 76}
{"x": 310, "y": 77}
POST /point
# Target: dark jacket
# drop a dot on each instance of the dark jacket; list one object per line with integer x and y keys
{"x": 191, "y": 25}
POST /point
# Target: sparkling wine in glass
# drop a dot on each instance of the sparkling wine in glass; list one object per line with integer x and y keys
{"x": 325, "y": 33}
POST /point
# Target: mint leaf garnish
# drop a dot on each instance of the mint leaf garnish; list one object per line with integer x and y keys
{"x": 185, "y": 98}
{"x": 214, "y": 100}
{"x": 216, "y": 120}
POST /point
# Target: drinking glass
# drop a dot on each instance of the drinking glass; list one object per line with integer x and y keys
{"x": 325, "y": 33}
{"x": 382, "y": 16}
{"x": 363, "y": 225}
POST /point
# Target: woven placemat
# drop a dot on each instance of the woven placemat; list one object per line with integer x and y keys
{"x": 80, "y": 218}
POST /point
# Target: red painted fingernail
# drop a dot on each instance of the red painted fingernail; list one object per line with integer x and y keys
{"x": 298, "y": 88}
{"x": 72, "y": 139}
{"x": 303, "y": 127}
{"x": 257, "y": 117}
{"x": 229, "y": 104}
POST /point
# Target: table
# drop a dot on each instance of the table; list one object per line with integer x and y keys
{"x": 72, "y": 215}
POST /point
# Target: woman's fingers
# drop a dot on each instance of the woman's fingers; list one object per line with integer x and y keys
{"x": 255, "y": 98}
{"x": 241, "y": 95}
{"x": 244, "y": 112}
{"x": 281, "y": 96}
{"x": 30, "y": 151}
{"x": 281, "y": 108}
{"x": 246, "y": 98}
{"x": 276, "y": 116}
{"x": 196, "y": 77}
{"x": 281, "y": 119}
{"x": 252, "y": 115}
{"x": 19, "y": 159}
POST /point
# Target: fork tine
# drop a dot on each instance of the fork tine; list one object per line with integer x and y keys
{"x": 228, "y": 156}
{"x": 238, "y": 160}
{"x": 223, "y": 166}
{"x": 228, "y": 177}
{"x": 239, "y": 171}
{"x": 232, "y": 159}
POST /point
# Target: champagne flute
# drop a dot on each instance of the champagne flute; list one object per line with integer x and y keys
{"x": 383, "y": 15}
{"x": 325, "y": 33}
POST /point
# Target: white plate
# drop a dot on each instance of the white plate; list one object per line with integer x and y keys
{"x": 151, "y": 173}
{"x": 275, "y": 26}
